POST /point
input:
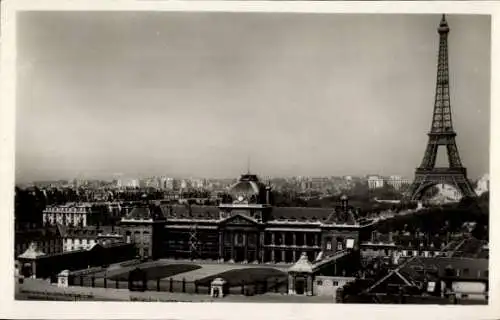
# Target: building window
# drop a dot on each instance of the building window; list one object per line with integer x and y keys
{"x": 238, "y": 239}
{"x": 328, "y": 245}
{"x": 335, "y": 283}
{"x": 466, "y": 272}
{"x": 340, "y": 246}
{"x": 252, "y": 240}
{"x": 320, "y": 282}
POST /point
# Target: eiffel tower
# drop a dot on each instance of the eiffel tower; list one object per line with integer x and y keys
{"x": 441, "y": 134}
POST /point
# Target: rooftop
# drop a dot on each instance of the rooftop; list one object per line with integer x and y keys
{"x": 145, "y": 212}
{"x": 470, "y": 268}
{"x": 278, "y": 214}
{"x": 37, "y": 234}
{"x": 89, "y": 231}
{"x": 303, "y": 265}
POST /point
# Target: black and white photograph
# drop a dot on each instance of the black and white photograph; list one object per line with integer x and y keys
{"x": 252, "y": 157}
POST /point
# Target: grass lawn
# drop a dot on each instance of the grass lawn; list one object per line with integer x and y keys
{"x": 156, "y": 272}
{"x": 246, "y": 275}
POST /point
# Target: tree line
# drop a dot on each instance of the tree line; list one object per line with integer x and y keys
{"x": 445, "y": 218}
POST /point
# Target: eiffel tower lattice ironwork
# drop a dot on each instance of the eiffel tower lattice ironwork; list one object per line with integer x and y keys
{"x": 441, "y": 134}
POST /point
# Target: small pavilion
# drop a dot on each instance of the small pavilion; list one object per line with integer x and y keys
{"x": 300, "y": 277}
{"x": 28, "y": 260}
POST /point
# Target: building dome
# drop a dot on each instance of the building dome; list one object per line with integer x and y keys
{"x": 247, "y": 189}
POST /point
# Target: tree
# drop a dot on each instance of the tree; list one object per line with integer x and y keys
{"x": 480, "y": 232}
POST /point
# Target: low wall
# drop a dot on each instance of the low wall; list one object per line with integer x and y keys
{"x": 87, "y": 271}
{"x": 25, "y": 294}
{"x": 170, "y": 285}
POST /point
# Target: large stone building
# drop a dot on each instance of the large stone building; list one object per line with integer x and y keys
{"x": 85, "y": 238}
{"x": 82, "y": 214}
{"x": 245, "y": 227}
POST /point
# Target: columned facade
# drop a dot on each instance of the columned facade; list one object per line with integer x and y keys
{"x": 259, "y": 243}
{"x": 286, "y": 246}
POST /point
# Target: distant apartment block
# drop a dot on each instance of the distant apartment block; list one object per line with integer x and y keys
{"x": 397, "y": 182}
{"x": 375, "y": 182}
{"x": 185, "y": 184}
{"x": 172, "y": 184}
{"x": 198, "y": 183}
{"x": 133, "y": 183}
{"x": 127, "y": 183}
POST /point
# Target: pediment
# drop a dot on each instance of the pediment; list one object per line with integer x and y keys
{"x": 240, "y": 219}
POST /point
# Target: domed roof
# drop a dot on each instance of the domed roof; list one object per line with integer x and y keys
{"x": 247, "y": 186}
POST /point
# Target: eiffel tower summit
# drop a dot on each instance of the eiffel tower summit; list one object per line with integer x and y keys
{"x": 441, "y": 134}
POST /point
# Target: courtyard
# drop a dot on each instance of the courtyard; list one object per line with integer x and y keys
{"x": 191, "y": 277}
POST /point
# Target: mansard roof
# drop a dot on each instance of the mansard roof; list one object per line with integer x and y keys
{"x": 90, "y": 231}
{"x": 145, "y": 212}
{"x": 195, "y": 212}
{"x": 199, "y": 212}
{"x": 303, "y": 214}
{"x": 412, "y": 241}
{"x": 278, "y": 214}
{"x": 320, "y": 215}
{"x": 467, "y": 268}
{"x": 471, "y": 248}
{"x": 37, "y": 234}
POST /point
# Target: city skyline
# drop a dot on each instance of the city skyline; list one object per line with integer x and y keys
{"x": 183, "y": 93}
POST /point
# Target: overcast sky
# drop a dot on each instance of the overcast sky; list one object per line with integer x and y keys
{"x": 195, "y": 94}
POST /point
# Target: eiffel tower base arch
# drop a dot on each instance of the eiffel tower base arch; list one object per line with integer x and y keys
{"x": 425, "y": 179}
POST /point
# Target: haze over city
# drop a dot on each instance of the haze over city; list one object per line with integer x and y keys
{"x": 198, "y": 93}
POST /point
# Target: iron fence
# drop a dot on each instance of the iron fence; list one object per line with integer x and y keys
{"x": 275, "y": 285}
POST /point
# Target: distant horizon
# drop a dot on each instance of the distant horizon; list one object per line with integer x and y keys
{"x": 111, "y": 179}
{"x": 197, "y": 93}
